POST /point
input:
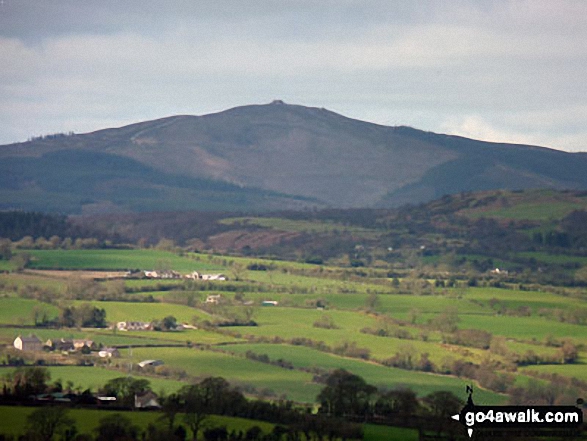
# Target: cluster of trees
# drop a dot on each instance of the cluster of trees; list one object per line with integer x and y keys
{"x": 83, "y": 316}
{"x": 348, "y": 395}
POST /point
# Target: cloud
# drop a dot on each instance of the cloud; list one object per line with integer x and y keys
{"x": 476, "y": 127}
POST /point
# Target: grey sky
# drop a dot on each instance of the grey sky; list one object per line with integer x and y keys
{"x": 495, "y": 70}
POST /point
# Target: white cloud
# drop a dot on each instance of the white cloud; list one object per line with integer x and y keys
{"x": 476, "y": 127}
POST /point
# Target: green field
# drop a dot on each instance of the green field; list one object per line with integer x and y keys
{"x": 94, "y": 378}
{"x": 371, "y": 432}
{"x": 290, "y": 323}
{"x": 145, "y": 312}
{"x": 17, "y": 311}
{"x": 116, "y": 260}
{"x": 294, "y": 385}
{"x": 13, "y": 420}
{"x": 536, "y": 205}
{"x": 578, "y": 370}
{"x": 377, "y": 375}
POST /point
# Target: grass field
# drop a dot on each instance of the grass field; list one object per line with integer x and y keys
{"x": 7, "y": 265}
{"x": 94, "y": 378}
{"x": 290, "y": 323}
{"x": 371, "y": 432}
{"x": 294, "y": 385}
{"x": 17, "y": 311}
{"x": 116, "y": 260}
{"x": 578, "y": 370}
{"x": 377, "y": 375}
{"x": 553, "y": 258}
{"x": 13, "y": 420}
{"x": 146, "y": 312}
{"x": 537, "y": 205}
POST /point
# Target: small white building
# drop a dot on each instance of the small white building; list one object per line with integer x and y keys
{"x": 109, "y": 353}
{"x": 213, "y": 277}
{"x": 31, "y": 343}
{"x": 153, "y": 363}
{"x": 134, "y": 326}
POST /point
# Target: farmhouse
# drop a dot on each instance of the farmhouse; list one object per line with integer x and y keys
{"x": 31, "y": 343}
{"x": 79, "y": 344}
{"x": 60, "y": 344}
{"x": 134, "y": 326}
{"x": 109, "y": 353}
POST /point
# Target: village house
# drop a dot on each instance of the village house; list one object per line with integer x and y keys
{"x": 60, "y": 344}
{"x": 134, "y": 326}
{"x": 31, "y": 343}
{"x": 79, "y": 344}
{"x": 109, "y": 353}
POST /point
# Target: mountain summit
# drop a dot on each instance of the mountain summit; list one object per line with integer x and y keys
{"x": 266, "y": 157}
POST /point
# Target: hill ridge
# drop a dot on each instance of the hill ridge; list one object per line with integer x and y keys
{"x": 304, "y": 153}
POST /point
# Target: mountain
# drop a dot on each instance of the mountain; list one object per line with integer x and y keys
{"x": 266, "y": 157}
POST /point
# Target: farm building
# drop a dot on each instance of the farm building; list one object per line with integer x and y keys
{"x": 79, "y": 344}
{"x": 31, "y": 343}
{"x": 134, "y": 326}
{"x": 109, "y": 353}
{"x": 153, "y": 363}
{"x": 60, "y": 344}
{"x": 213, "y": 277}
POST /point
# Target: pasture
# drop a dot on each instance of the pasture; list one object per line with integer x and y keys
{"x": 17, "y": 311}
{"x": 377, "y": 375}
{"x": 94, "y": 377}
{"x": 116, "y": 260}
{"x": 268, "y": 380}
{"x": 13, "y": 421}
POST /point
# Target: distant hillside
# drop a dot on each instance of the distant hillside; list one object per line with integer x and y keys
{"x": 266, "y": 157}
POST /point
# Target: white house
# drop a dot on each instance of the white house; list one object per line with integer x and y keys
{"x": 31, "y": 343}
